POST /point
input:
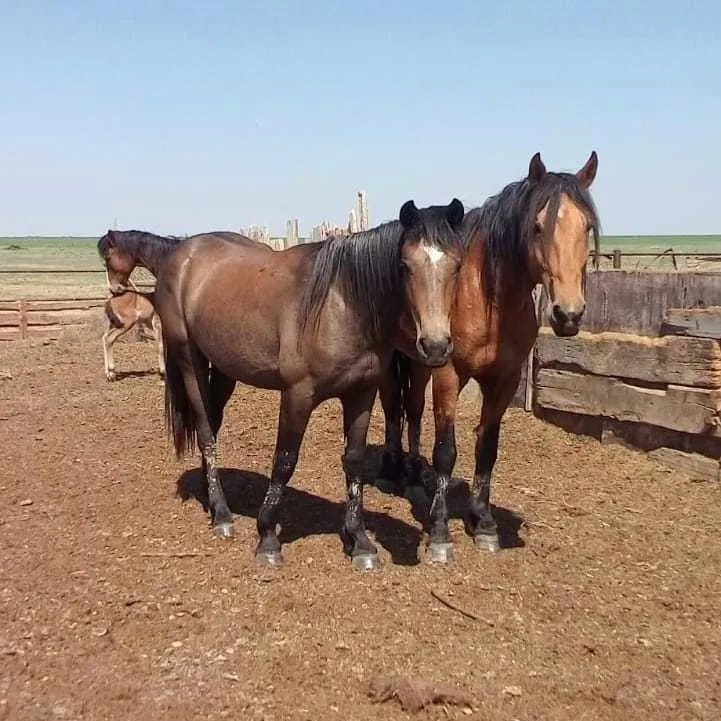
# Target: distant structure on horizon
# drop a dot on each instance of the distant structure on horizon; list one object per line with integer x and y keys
{"x": 358, "y": 220}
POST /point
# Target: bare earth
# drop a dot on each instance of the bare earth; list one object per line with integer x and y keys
{"x": 117, "y": 603}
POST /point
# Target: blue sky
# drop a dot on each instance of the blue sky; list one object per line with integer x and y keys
{"x": 188, "y": 116}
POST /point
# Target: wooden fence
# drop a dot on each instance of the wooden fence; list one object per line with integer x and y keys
{"x": 21, "y": 319}
{"x": 646, "y": 370}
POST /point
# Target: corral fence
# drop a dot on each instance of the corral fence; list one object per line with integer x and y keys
{"x": 645, "y": 371}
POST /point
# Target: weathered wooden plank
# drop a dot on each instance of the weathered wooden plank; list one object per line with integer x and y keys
{"x": 80, "y": 304}
{"x": 62, "y": 317}
{"x": 691, "y": 410}
{"x": 9, "y": 304}
{"x": 697, "y": 322}
{"x": 628, "y": 301}
{"x": 694, "y": 465}
{"x": 669, "y": 360}
{"x": 9, "y": 318}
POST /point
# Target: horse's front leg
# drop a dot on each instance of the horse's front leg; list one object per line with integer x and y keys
{"x": 296, "y": 405}
{"x": 357, "y": 407}
{"x": 445, "y": 398}
{"x": 480, "y": 523}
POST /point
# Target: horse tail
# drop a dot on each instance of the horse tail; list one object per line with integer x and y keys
{"x": 401, "y": 378}
{"x": 180, "y": 418}
{"x": 111, "y": 314}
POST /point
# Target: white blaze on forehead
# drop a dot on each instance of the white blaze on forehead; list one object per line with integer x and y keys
{"x": 434, "y": 254}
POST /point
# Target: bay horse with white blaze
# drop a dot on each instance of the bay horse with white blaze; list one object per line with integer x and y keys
{"x": 314, "y": 321}
{"x": 534, "y": 231}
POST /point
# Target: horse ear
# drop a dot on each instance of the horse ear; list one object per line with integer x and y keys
{"x": 409, "y": 214}
{"x": 587, "y": 173}
{"x": 455, "y": 213}
{"x": 111, "y": 238}
{"x": 536, "y": 168}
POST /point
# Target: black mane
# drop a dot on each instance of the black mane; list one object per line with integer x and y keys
{"x": 147, "y": 249}
{"x": 368, "y": 266}
{"x": 508, "y": 220}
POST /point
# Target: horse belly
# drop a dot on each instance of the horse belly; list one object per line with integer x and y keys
{"x": 337, "y": 375}
{"x": 242, "y": 347}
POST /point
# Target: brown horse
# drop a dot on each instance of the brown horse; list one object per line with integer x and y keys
{"x": 123, "y": 312}
{"x": 314, "y": 321}
{"x": 123, "y": 250}
{"x": 534, "y": 231}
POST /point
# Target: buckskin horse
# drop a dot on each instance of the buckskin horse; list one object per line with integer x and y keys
{"x": 534, "y": 231}
{"x": 314, "y": 321}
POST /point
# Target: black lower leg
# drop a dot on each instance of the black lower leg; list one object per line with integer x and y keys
{"x": 219, "y": 510}
{"x": 295, "y": 409}
{"x": 284, "y": 464}
{"x": 356, "y": 417}
{"x": 353, "y": 532}
{"x": 444, "y": 459}
{"x": 480, "y": 520}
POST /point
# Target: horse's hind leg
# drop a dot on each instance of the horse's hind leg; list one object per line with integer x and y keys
{"x": 109, "y": 337}
{"x": 480, "y": 522}
{"x": 357, "y": 407}
{"x": 220, "y": 389}
{"x": 296, "y": 405}
{"x": 194, "y": 369}
{"x": 391, "y": 470}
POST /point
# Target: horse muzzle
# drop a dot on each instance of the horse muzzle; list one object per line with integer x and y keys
{"x": 434, "y": 352}
{"x": 565, "y": 320}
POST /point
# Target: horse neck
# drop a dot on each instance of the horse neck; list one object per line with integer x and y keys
{"x": 510, "y": 291}
{"x": 151, "y": 251}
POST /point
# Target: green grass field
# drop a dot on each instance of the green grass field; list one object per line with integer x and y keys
{"x": 79, "y": 253}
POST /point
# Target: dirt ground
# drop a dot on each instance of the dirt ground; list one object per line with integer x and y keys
{"x": 116, "y": 602}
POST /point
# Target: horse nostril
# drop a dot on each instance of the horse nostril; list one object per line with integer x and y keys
{"x": 567, "y": 316}
{"x": 434, "y": 348}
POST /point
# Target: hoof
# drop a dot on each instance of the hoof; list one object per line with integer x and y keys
{"x": 224, "y": 530}
{"x": 439, "y": 552}
{"x": 110, "y": 377}
{"x": 269, "y": 558}
{"x": 487, "y": 542}
{"x": 365, "y": 562}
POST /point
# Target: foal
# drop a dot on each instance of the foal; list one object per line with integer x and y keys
{"x": 122, "y": 313}
{"x": 534, "y": 231}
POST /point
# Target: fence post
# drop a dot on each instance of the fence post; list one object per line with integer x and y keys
{"x": 23, "y": 323}
{"x": 528, "y": 399}
{"x": 617, "y": 259}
